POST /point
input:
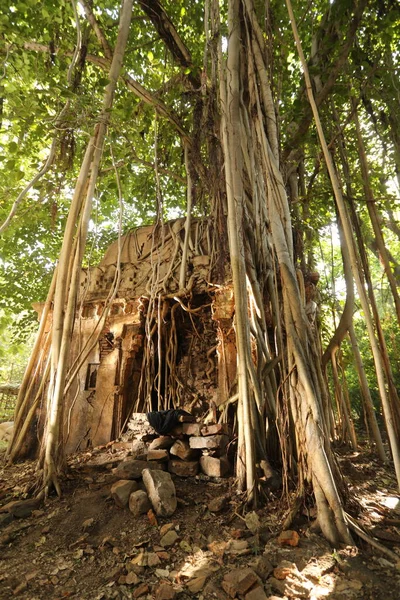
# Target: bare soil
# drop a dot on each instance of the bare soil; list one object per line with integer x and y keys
{"x": 83, "y": 546}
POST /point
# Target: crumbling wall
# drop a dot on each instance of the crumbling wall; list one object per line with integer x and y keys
{"x": 99, "y": 392}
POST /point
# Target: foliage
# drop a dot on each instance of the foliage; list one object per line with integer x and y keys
{"x": 14, "y": 354}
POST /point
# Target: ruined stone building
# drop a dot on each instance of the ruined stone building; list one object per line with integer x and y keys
{"x": 159, "y": 347}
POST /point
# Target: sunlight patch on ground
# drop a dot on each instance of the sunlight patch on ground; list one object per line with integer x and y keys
{"x": 324, "y": 590}
{"x": 392, "y": 502}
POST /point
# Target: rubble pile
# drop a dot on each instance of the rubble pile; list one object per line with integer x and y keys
{"x": 144, "y": 477}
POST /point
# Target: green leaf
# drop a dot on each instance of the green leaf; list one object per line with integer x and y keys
{"x": 12, "y": 147}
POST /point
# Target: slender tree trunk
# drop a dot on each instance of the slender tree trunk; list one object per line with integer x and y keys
{"x": 347, "y": 422}
{"x": 66, "y": 289}
{"x": 366, "y": 398}
{"x": 230, "y": 93}
{"x": 385, "y": 360}
{"x": 373, "y": 214}
{"x": 389, "y": 419}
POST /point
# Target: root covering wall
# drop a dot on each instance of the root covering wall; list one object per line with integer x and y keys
{"x": 160, "y": 347}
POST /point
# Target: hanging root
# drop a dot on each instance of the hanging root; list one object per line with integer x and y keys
{"x": 210, "y": 361}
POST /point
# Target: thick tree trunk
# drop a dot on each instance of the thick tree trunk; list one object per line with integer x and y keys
{"x": 256, "y": 195}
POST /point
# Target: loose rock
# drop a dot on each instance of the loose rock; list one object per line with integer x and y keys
{"x": 21, "y": 508}
{"x": 239, "y": 581}
{"x": 196, "y": 584}
{"x": 153, "y": 559}
{"x": 289, "y": 538}
{"x": 284, "y": 569}
{"x": 161, "y": 491}
{"x": 182, "y": 450}
{"x": 165, "y": 592}
{"x": 217, "y": 504}
{"x": 262, "y": 566}
{"x": 162, "y": 573}
{"x": 121, "y": 490}
{"x": 183, "y": 468}
{"x": 152, "y": 518}
{"x": 141, "y": 590}
{"x": 139, "y": 503}
{"x": 253, "y": 522}
{"x": 256, "y": 594}
{"x": 169, "y": 538}
{"x": 213, "y": 466}
{"x": 165, "y": 528}
{"x": 132, "y": 578}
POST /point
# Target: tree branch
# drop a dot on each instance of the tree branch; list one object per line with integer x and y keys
{"x": 131, "y": 84}
{"x": 96, "y": 28}
{"x": 167, "y": 31}
{"x": 291, "y": 150}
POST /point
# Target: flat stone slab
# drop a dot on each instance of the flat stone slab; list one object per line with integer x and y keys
{"x": 192, "y": 428}
{"x": 159, "y": 454}
{"x": 161, "y": 443}
{"x": 217, "y": 428}
{"x": 161, "y": 491}
{"x": 209, "y": 442}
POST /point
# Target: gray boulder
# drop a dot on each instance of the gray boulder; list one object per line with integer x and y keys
{"x": 161, "y": 491}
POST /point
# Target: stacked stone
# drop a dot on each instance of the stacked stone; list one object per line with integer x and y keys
{"x": 193, "y": 447}
{"x": 144, "y": 480}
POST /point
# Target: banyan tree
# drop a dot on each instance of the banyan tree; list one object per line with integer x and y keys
{"x": 251, "y": 136}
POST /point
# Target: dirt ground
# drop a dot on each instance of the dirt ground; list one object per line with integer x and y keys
{"x": 83, "y": 546}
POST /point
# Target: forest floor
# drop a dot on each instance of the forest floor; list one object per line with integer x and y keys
{"x": 83, "y": 546}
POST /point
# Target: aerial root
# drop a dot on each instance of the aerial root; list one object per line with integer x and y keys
{"x": 352, "y": 523}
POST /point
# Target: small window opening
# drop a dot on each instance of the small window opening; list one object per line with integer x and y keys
{"x": 91, "y": 376}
